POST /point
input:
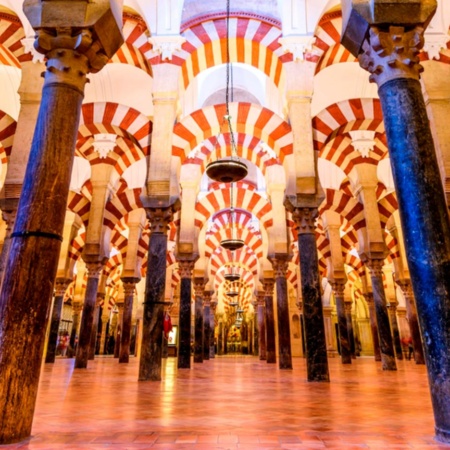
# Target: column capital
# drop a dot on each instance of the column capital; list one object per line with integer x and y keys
{"x": 159, "y": 219}
{"x": 368, "y": 296}
{"x": 166, "y": 45}
{"x": 61, "y": 285}
{"x": 129, "y": 285}
{"x": 375, "y": 267}
{"x": 260, "y": 298}
{"x": 338, "y": 286}
{"x": 406, "y": 286}
{"x": 305, "y": 218}
{"x": 94, "y": 269}
{"x": 280, "y": 265}
{"x": 213, "y": 306}
{"x": 77, "y": 307}
{"x": 268, "y": 284}
{"x": 100, "y": 300}
{"x": 348, "y": 306}
{"x": 199, "y": 286}
{"x": 207, "y": 297}
{"x": 185, "y": 267}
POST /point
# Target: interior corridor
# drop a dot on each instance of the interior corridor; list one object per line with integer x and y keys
{"x": 232, "y": 402}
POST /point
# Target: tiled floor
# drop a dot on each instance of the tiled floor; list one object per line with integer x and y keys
{"x": 232, "y": 403}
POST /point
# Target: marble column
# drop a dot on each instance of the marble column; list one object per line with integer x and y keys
{"x": 129, "y": 285}
{"x": 261, "y": 315}
{"x": 77, "y": 307}
{"x": 94, "y": 270}
{"x": 212, "y": 325}
{"x": 280, "y": 266}
{"x": 105, "y": 319}
{"x": 220, "y": 339}
{"x": 60, "y": 289}
{"x": 94, "y": 331}
{"x": 155, "y": 285}
{"x": 392, "y": 309}
{"x": 375, "y": 267}
{"x": 349, "y": 320}
{"x": 206, "y": 324}
{"x": 184, "y": 351}
{"x": 315, "y": 342}
{"x": 199, "y": 288}
{"x": 373, "y": 325}
{"x": 344, "y": 340}
{"x": 390, "y": 54}
{"x": 411, "y": 314}
{"x": 9, "y": 212}
{"x": 71, "y": 53}
{"x": 271, "y": 357}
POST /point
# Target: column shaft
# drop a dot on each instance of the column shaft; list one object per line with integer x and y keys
{"x": 346, "y": 353}
{"x": 395, "y": 330}
{"x": 54, "y": 327}
{"x": 220, "y": 339}
{"x": 351, "y": 335}
{"x": 206, "y": 331}
{"x": 184, "y": 352}
{"x": 124, "y": 355}
{"x": 94, "y": 331}
{"x": 77, "y": 307}
{"x": 373, "y": 326}
{"x": 199, "y": 286}
{"x": 153, "y": 315}
{"x": 271, "y": 357}
{"x": 261, "y": 330}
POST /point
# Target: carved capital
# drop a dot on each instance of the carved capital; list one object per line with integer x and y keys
{"x": 407, "y": 290}
{"x": 393, "y": 54}
{"x": 268, "y": 284}
{"x": 260, "y": 298}
{"x": 348, "y": 307}
{"x": 213, "y": 306}
{"x": 375, "y": 267}
{"x": 280, "y": 266}
{"x": 9, "y": 217}
{"x": 100, "y": 300}
{"x": 199, "y": 286}
{"x": 159, "y": 219}
{"x": 61, "y": 285}
{"x": 369, "y": 300}
{"x": 338, "y": 287}
{"x": 299, "y": 46}
{"x": 129, "y": 286}
{"x": 94, "y": 269}
{"x": 207, "y": 298}
{"x": 166, "y": 46}
{"x": 185, "y": 268}
{"x": 77, "y": 308}
{"x": 304, "y": 218}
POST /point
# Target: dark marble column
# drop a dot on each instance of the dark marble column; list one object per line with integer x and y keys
{"x": 392, "y": 309}
{"x": 261, "y": 316}
{"x": 60, "y": 289}
{"x": 9, "y": 212}
{"x": 33, "y": 257}
{"x": 373, "y": 325}
{"x": 95, "y": 321}
{"x": 199, "y": 288}
{"x": 391, "y": 56}
{"x": 271, "y": 357}
{"x": 212, "y": 326}
{"x": 280, "y": 266}
{"x": 344, "y": 340}
{"x": 206, "y": 323}
{"x": 351, "y": 335}
{"x": 129, "y": 286}
{"x": 105, "y": 319}
{"x": 256, "y": 331}
{"x": 77, "y": 307}
{"x": 315, "y": 343}
{"x": 411, "y": 314}
{"x": 94, "y": 270}
{"x": 184, "y": 352}
{"x": 155, "y": 285}
{"x": 220, "y": 340}
{"x": 375, "y": 267}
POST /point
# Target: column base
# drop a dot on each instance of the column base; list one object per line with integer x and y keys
{"x": 442, "y": 436}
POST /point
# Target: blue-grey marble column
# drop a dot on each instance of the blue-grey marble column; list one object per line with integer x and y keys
{"x": 184, "y": 351}
{"x": 94, "y": 270}
{"x": 373, "y": 325}
{"x": 392, "y": 309}
{"x": 351, "y": 335}
{"x": 344, "y": 340}
{"x": 315, "y": 343}
{"x": 375, "y": 267}
{"x": 155, "y": 285}
{"x": 199, "y": 332}
{"x": 280, "y": 266}
{"x": 411, "y": 314}
{"x": 390, "y": 54}
{"x": 220, "y": 339}
{"x": 60, "y": 289}
{"x": 271, "y": 357}
{"x": 206, "y": 324}
{"x": 94, "y": 332}
{"x": 261, "y": 317}
{"x": 129, "y": 286}
{"x": 212, "y": 326}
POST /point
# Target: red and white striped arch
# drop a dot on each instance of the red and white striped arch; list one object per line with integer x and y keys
{"x": 328, "y": 42}
{"x": 251, "y": 42}
{"x": 245, "y": 197}
{"x": 120, "y": 205}
{"x": 345, "y": 116}
{"x": 245, "y": 258}
{"x": 76, "y": 246}
{"x": 136, "y": 50}
{"x": 247, "y": 118}
{"x": 12, "y": 51}
{"x": 341, "y": 152}
{"x": 247, "y": 147}
{"x": 247, "y": 276}
{"x": 112, "y": 118}
{"x": 386, "y": 207}
{"x": 348, "y": 207}
{"x": 392, "y": 245}
{"x": 7, "y": 132}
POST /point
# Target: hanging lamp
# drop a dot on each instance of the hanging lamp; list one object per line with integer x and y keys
{"x": 232, "y": 243}
{"x": 227, "y": 170}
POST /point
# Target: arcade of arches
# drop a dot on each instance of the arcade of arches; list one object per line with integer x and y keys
{"x": 111, "y": 229}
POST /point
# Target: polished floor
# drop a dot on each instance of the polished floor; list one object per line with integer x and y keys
{"x": 232, "y": 403}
